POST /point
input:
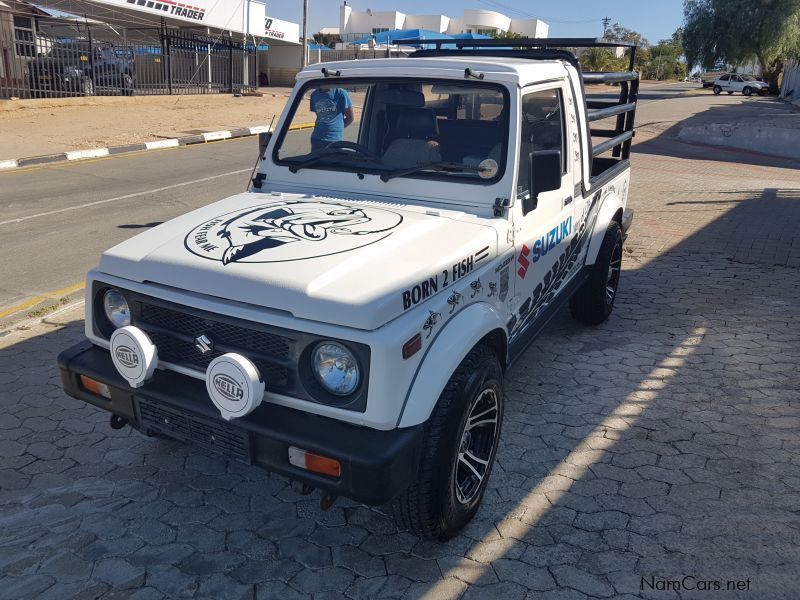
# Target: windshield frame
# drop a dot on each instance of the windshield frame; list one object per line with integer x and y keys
{"x": 367, "y": 168}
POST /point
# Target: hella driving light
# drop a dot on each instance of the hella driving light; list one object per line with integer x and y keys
{"x": 116, "y": 307}
{"x": 335, "y": 368}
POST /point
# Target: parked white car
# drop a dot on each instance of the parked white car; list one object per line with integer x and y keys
{"x": 746, "y": 84}
{"x": 348, "y": 321}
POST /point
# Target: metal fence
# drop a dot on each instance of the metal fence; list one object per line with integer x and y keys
{"x": 58, "y": 58}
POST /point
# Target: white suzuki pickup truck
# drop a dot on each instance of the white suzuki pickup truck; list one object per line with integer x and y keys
{"x": 412, "y": 225}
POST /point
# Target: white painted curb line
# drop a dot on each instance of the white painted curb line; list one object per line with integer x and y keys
{"x": 82, "y": 154}
{"x": 172, "y": 143}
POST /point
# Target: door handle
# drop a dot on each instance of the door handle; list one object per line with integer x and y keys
{"x": 567, "y": 201}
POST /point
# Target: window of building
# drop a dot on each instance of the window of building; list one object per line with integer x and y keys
{"x": 377, "y": 30}
{"x": 24, "y": 44}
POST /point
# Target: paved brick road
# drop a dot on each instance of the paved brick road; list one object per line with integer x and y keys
{"x": 665, "y": 443}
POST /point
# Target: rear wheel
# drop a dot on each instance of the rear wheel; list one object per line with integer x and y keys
{"x": 747, "y": 91}
{"x": 594, "y": 300}
{"x": 717, "y": 90}
{"x": 458, "y": 450}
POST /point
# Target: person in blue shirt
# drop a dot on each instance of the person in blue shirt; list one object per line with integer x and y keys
{"x": 334, "y": 112}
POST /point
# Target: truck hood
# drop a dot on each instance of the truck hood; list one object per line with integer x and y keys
{"x": 348, "y": 262}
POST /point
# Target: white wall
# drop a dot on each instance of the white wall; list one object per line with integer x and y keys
{"x": 351, "y": 21}
{"x": 475, "y": 18}
{"x": 438, "y": 23}
{"x": 535, "y": 28}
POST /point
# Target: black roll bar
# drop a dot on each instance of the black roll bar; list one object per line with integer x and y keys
{"x": 624, "y": 108}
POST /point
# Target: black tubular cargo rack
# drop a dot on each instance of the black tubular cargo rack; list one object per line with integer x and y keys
{"x": 624, "y": 108}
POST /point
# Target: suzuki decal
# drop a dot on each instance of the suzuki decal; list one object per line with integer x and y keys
{"x": 565, "y": 266}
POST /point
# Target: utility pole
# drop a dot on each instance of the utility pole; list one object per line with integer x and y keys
{"x": 305, "y": 34}
{"x": 606, "y": 23}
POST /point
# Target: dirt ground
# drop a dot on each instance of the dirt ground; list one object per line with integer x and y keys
{"x": 48, "y": 126}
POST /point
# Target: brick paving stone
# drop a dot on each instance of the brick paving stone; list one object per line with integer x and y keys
{"x": 663, "y": 442}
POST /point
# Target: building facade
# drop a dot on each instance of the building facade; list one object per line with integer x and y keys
{"x": 354, "y": 24}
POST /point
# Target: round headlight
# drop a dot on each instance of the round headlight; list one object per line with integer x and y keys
{"x": 335, "y": 368}
{"x": 116, "y": 307}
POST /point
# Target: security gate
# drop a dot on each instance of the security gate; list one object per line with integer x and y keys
{"x": 41, "y": 58}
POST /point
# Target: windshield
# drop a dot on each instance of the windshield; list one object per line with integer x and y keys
{"x": 398, "y": 128}
{"x": 747, "y": 77}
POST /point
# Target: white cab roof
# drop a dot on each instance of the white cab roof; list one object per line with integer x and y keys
{"x": 495, "y": 68}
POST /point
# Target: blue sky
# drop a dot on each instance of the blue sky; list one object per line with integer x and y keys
{"x": 655, "y": 19}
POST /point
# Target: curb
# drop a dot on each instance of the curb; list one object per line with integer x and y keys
{"x": 211, "y": 136}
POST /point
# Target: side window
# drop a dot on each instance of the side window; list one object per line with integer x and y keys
{"x": 542, "y": 128}
{"x": 725, "y": 78}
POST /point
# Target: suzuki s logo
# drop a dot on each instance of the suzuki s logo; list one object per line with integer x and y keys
{"x": 127, "y": 356}
{"x": 203, "y": 344}
{"x": 228, "y": 387}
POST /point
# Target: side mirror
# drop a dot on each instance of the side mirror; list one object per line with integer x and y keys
{"x": 544, "y": 175}
{"x": 263, "y": 141}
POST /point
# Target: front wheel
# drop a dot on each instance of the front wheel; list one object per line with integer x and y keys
{"x": 594, "y": 300}
{"x": 717, "y": 90}
{"x": 458, "y": 450}
{"x": 748, "y": 91}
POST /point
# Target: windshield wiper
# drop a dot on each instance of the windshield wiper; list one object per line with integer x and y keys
{"x": 440, "y": 166}
{"x": 294, "y": 168}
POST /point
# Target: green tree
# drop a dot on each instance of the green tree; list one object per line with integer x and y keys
{"x": 740, "y": 31}
{"x": 664, "y": 60}
{"x": 506, "y": 35}
{"x": 618, "y": 33}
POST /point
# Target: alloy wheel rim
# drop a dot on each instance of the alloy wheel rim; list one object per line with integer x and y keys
{"x": 476, "y": 446}
{"x": 612, "y": 278}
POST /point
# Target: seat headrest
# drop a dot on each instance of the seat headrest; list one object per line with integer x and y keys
{"x": 417, "y": 124}
{"x": 403, "y": 97}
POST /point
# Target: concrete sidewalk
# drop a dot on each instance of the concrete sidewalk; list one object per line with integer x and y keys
{"x": 763, "y": 125}
{"x": 50, "y": 126}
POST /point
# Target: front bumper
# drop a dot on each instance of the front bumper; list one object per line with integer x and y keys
{"x": 375, "y": 465}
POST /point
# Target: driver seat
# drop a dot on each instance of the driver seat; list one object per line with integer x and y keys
{"x": 414, "y": 139}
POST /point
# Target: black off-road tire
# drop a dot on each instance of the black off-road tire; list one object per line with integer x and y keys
{"x": 717, "y": 90}
{"x": 747, "y": 91}
{"x": 430, "y": 507}
{"x": 594, "y": 300}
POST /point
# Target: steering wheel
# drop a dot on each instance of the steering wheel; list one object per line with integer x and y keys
{"x": 358, "y": 148}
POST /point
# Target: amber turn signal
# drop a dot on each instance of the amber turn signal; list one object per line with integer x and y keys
{"x": 101, "y": 389}
{"x": 314, "y": 462}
